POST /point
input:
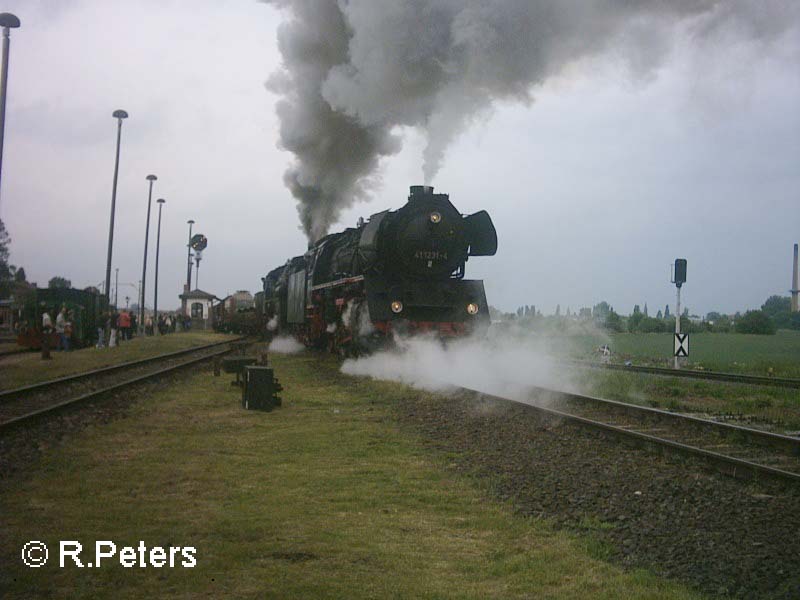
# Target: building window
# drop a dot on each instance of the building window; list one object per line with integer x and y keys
{"x": 197, "y": 310}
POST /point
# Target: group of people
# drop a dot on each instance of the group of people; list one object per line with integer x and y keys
{"x": 113, "y": 327}
{"x": 123, "y": 326}
{"x": 64, "y": 326}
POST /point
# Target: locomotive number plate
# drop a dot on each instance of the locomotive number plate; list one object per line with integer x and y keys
{"x": 430, "y": 255}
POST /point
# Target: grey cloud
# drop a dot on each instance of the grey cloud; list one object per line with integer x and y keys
{"x": 355, "y": 70}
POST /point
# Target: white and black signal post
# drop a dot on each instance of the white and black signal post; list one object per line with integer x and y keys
{"x": 681, "y": 341}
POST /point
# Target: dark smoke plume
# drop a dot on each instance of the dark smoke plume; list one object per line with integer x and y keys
{"x": 354, "y": 71}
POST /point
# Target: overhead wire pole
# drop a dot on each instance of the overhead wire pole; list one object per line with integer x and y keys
{"x": 189, "y": 258}
{"x": 151, "y": 179}
{"x": 7, "y": 22}
{"x": 119, "y": 115}
{"x": 158, "y": 247}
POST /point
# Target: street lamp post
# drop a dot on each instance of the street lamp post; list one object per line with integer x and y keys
{"x": 151, "y": 179}
{"x": 7, "y": 22}
{"x": 189, "y": 258}
{"x": 116, "y": 286}
{"x": 158, "y": 247}
{"x": 119, "y": 115}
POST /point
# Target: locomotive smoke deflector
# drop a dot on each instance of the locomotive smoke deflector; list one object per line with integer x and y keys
{"x": 482, "y": 234}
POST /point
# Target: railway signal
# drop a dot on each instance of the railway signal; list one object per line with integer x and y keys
{"x": 679, "y": 278}
{"x": 198, "y": 243}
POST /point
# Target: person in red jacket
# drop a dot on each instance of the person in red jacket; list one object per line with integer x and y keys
{"x": 124, "y": 324}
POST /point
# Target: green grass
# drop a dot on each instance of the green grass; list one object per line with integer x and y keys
{"x": 8, "y": 347}
{"x": 733, "y": 352}
{"x": 767, "y": 405}
{"x": 325, "y": 497}
{"x": 28, "y": 368}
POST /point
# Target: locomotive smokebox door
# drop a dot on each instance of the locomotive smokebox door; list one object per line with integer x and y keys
{"x": 260, "y": 391}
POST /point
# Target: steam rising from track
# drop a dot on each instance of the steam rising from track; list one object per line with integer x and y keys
{"x": 285, "y": 345}
{"x": 507, "y": 366}
{"x": 354, "y": 71}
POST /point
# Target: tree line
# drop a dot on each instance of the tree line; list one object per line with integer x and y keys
{"x": 774, "y": 314}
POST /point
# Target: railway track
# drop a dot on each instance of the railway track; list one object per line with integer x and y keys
{"x": 25, "y": 404}
{"x": 693, "y": 374}
{"x": 734, "y": 450}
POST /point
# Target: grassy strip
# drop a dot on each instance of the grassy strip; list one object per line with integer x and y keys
{"x": 778, "y": 406}
{"x": 325, "y": 497}
{"x": 28, "y": 368}
{"x": 777, "y": 355}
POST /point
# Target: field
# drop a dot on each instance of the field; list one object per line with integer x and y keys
{"x": 735, "y": 353}
{"x": 28, "y": 368}
{"x": 777, "y": 355}
{"x": 325, "y": 497}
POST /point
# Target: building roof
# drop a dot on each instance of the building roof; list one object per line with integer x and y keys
{"x": 198, "y": 295}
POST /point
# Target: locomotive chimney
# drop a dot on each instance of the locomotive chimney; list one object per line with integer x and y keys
{"x": 420, "y": 190}
{"x": 795, "y": 291}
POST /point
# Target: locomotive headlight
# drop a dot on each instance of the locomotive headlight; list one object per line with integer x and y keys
{"x": 436, "y": 218}
{"x": 472, "y": 308}
{"x": 397, "y": 307}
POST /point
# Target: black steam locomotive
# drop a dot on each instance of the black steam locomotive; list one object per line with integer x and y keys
{"x": 401, "y": 271}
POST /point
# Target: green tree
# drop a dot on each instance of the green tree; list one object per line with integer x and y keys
{"x": 777, "y": 304}
{"x": 779, "y": 309}
{"x": 59, "y": 282}
{"x": 645, "y": 310}
{"x": 613, "y": 322}
{"x": 651, "y": 325}
{"x": 635, "y": 320}
{"x": 755, "y": 321}
{"x": 600, "y": 311}
{"x": 6, "y": 270}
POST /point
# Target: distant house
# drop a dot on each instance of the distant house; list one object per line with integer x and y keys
{"x": 197, "y": 305}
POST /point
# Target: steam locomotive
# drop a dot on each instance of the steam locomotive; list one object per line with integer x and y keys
{"x": 401, "y": 271}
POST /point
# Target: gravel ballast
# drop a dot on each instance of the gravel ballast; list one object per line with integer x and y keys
{"x": 670, "y": 515}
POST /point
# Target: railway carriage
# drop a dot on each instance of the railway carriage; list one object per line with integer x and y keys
{"x": 88, "y": 308}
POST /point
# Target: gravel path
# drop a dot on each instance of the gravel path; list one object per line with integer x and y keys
{"x": 672, "y": 516}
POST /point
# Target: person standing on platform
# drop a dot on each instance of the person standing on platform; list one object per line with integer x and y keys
{"x": 61, "y": 321}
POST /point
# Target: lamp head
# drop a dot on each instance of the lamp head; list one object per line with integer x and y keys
{"x": 161, "y": 201}
{"x": 151, "y": 178}
{"x": 190, "y": 221}
{"x": 9, "y": 20}
{"x": 120, "y": 114}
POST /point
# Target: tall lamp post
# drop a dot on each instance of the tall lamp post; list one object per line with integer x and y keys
{"x": 151, "y": 179}
{"x": 189, "y": 258}
{"x": 7, "y": 22}
{"x": 119, "y": 115}
{"x": 158, "y": 247}
{"x": 116, "y": 286}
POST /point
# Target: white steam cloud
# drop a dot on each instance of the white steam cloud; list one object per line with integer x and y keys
{"x": 285, "y": 345}
{"x": 507, "y": 366}
{"x": 354, "y": 71}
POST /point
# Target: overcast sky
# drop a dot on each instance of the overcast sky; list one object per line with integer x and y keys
{"x": 595, "y": 188}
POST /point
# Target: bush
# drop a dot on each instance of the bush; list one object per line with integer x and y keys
{"x": 755, "y": 321}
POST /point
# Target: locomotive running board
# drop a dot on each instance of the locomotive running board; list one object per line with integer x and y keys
{"x": 330, "y": 284}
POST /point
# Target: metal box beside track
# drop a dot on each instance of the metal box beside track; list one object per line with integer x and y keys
{"x": 260, "y": 389}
